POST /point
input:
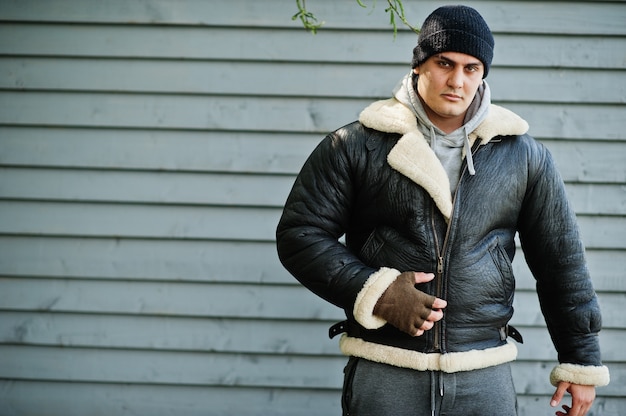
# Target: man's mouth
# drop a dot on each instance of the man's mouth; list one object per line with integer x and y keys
{"x": 452, "y": 97}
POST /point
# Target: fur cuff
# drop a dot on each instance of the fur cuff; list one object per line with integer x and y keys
{"x": 372, "y": 290}
{"x": 587, "y": 375}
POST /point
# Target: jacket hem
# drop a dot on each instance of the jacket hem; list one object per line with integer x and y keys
{"x": 588, "y": 375}
{"x": 452, "y": 362}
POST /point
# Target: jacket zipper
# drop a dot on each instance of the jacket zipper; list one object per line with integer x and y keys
{"x": 437, "y": 343}
{"x": 437, "y": 331}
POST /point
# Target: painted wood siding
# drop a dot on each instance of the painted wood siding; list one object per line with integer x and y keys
{"x": 146, "y": 149}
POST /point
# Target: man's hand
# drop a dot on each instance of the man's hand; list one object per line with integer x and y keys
{"x": 408, "y": 309}
{"x": 582, "y": 398}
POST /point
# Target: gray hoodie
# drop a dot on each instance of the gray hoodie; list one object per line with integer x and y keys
{"x": 447, "y": 147}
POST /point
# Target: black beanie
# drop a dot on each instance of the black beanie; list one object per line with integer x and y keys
{"x": 455, "y": 29}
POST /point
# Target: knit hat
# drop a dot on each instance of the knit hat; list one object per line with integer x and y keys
{"x": 455, "y": 29}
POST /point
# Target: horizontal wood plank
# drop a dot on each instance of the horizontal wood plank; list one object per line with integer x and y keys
{"x": 145, "y": 187}
{"x": 210, "y": 43}
{"x": 204, "y": 261}
{"x": 191, "y": 151}
{"x": 589, "y": 161}
{"x": 208, "y": 369}
{"x": 144, "y": 221}
{"x": 322, "y": 80}
{"x": 528, "y": 312}
{"x": 155, "y": 367}
{"x": 551, "y": 121}
{"x": 161, "y": 187}
{"x": 78, "y": 399}
{"x": 109, "y": 110}
{"x": 165, "y": 299}
{"x": 217, "y": 300}
{"x": 199, "y": 222}
{"x": 264, "y": 114}
{"x": 519, "y": 16}
{"x": 602, "y": 232}
{"x": 25, "y": 397}
{"x": 538, "y": 346}
{"x": 276, "y": 45}
{"x": 578, "y": 161}
{"x": 260, "y": 153}
{"x": 570, "y": 51}
{"x": 604, "y": 267}
{"x": 596, "y": 198}
{"x": 169, "y": 333}
{"x": 141, "y": 260}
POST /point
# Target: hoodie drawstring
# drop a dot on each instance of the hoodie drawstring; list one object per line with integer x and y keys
{"x": 432, "y": 138}
{"x": 468, "y": 154}
{"x": 433, "y": 389}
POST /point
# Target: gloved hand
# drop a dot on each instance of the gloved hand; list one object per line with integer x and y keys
{"x": 407, "y": 308}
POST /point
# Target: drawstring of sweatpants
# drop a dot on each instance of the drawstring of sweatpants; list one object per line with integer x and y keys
{"x": 433, "y": 389}
{"x": 441, "y": 383}
{"x": 433, "y": 386}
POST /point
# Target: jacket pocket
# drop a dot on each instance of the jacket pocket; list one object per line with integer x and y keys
{"x": 505, "y": 268}
{"x": 372, "y": 246}
{"x": 386, "y": 247}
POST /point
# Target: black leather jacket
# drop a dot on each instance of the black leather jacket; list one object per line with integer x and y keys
{"x": 383, "y": 189}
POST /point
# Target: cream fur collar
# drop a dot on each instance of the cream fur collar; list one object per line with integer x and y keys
{"x": 413, "y": 157}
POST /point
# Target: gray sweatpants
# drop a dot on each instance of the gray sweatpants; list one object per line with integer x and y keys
{"x": 374, "y": 389}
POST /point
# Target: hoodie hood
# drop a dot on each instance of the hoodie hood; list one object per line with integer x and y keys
{"x": 413, "y": 156}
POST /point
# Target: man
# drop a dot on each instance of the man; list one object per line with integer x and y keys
{"x": 430, "y": 188}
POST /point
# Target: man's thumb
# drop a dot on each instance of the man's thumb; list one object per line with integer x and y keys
{"x": 558, "y": 394}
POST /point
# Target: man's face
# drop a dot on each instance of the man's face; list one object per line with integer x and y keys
{"x": 447, "y": 84}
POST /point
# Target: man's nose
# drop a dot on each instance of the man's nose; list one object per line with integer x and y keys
{"x": 456, "y": 79}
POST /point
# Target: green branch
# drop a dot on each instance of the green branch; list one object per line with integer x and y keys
{"x": 395, "y": 10}
{"x": 308, "y": 19}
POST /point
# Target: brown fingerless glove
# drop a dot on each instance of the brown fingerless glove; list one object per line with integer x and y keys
{"x": 404, "y": 306}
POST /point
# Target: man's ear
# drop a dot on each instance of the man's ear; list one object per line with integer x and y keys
{"x": 416, "y": 70}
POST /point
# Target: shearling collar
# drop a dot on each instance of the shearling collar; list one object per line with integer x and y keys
{"x": 413, "y": 157}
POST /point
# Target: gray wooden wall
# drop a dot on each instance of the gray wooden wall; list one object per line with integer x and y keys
{"x": 146, "y": 148}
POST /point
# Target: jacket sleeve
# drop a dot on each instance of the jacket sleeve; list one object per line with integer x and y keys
{"x": 554, "y": 252}
{"x": 316, "y": 214}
